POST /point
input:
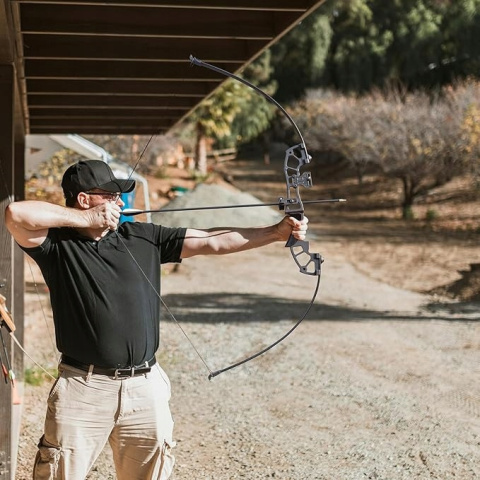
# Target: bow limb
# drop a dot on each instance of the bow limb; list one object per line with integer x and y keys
{"x": 5, "y": 317}
{"x": 226, "y": 73}
{"x": 274, "y": 344}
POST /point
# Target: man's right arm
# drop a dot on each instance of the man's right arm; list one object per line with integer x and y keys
{"x": 29, "y": 221}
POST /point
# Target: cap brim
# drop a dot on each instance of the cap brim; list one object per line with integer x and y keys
{"x": 123, "y": 186}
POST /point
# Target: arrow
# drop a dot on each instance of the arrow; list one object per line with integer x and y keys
{"x": 130, "y": 212}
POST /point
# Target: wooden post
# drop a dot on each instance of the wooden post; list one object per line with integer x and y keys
{"x": 7, "y": 90}
{"x": 18, "y": 303}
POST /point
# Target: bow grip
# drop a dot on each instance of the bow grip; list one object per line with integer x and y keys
{"x": 292, "y": 241}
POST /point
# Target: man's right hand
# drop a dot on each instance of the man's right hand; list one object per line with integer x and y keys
{"x": 105, "y": 216}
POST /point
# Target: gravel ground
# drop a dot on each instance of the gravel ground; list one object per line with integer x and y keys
{"x": 378, "y": 383}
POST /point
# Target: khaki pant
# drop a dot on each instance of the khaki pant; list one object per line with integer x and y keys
{"x": 133, "y": 414}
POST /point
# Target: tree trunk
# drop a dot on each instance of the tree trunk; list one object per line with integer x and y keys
{"x": 359, "y": 171}
{"x": 201, "y": 151}
{"x": 408, "y": 198}
{"x": 266, "y": 148}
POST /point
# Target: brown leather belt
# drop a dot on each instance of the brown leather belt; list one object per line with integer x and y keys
{"x": 117, "y": 373}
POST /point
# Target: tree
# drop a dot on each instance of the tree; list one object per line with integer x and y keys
{"x": 467, "y": 98}
{"x": 460, "y": 46}
{"x": 298, "y": 59}
{"x": 214, "y": 118}
{"x": 378, "y": 43}
{"x": 419, "y": 144}
{"x": 341, "y": 124}
{"x": 234, "y": 113}
{"x": 255, "y": 112}
{"x": 356, "y": 45}
{"x": 422, "y": 141}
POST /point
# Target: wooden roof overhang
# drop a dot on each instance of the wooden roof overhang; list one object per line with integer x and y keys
{"x": 122, "y": 67}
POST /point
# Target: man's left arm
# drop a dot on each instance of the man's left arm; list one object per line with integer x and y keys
{"x": 220, "y": 241}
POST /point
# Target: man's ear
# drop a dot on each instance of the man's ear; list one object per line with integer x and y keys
{"x": 83, "y": 200}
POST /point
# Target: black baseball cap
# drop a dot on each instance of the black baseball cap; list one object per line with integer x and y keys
{"x": 86, "y": 175}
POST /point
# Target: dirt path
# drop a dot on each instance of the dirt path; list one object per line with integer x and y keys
{"x": 379, "y": 382}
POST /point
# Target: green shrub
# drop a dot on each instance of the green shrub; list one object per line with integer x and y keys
{"x": 431, "y": 215}
{"x": 408, "y": 213}
{"x": 35, "y": 376}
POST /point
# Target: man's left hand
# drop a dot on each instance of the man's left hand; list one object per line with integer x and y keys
{"x": 291, "y": 226}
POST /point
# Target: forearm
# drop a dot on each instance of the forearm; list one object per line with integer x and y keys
{"x": 35, "y": 215}
{"x": 220, "y": 241}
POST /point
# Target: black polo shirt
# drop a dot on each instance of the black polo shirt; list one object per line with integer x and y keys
{"x": 105, "y": 297}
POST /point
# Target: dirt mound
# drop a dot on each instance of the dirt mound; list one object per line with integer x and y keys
{"x": 209, "y": 195}
{"x": 466, "y": 288}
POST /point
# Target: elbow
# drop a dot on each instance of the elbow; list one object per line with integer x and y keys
{"x": 10, "y": 215}
{"x": 14, "y": 216}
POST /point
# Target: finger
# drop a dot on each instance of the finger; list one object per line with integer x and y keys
{"x": 112, "y": 210}
{"x": 113, "y": 224}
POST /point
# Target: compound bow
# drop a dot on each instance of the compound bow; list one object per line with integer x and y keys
{"x": 296, "y": 157}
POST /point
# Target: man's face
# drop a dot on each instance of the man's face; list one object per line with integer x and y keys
{"x": 97, "y": 196}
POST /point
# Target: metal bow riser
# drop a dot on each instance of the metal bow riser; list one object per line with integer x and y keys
{"x": 295, "y": 158}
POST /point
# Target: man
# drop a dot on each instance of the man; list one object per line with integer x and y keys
{"x": 104, "y": 282}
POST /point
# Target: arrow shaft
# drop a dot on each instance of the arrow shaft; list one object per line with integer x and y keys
{"x": 130, "y": 212}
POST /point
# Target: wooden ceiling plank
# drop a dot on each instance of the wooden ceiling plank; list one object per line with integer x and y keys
{"x": 270, "y": 5}
{"x": 106, "y": 70}
{"x": 96, "y": 122}
{"x": 122, "y": 114}
{"x": 137, "y": 49}
{"x": 113, "y": 102}
{"x": 117, "y": 130}
{"x": 169, "y": 23}
{"x": 106, "y": 87}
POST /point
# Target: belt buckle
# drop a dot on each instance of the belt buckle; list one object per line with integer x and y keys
{"x": 124, "y": 373}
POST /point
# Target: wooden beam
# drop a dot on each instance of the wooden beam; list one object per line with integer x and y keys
{"x": 109, "y": 69}
{"x": 118, "y": 87}
{"x": 89, "y": 47}
{"x": 114, "y": 101}
{"x": 273, "y": 5}
{"x": 105, "y": 20}
{"x": 117, "y": 130}
{"x": 120, "y": 113}
{"x": 7, "y": 89}
{"x": 108, "y": 122}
